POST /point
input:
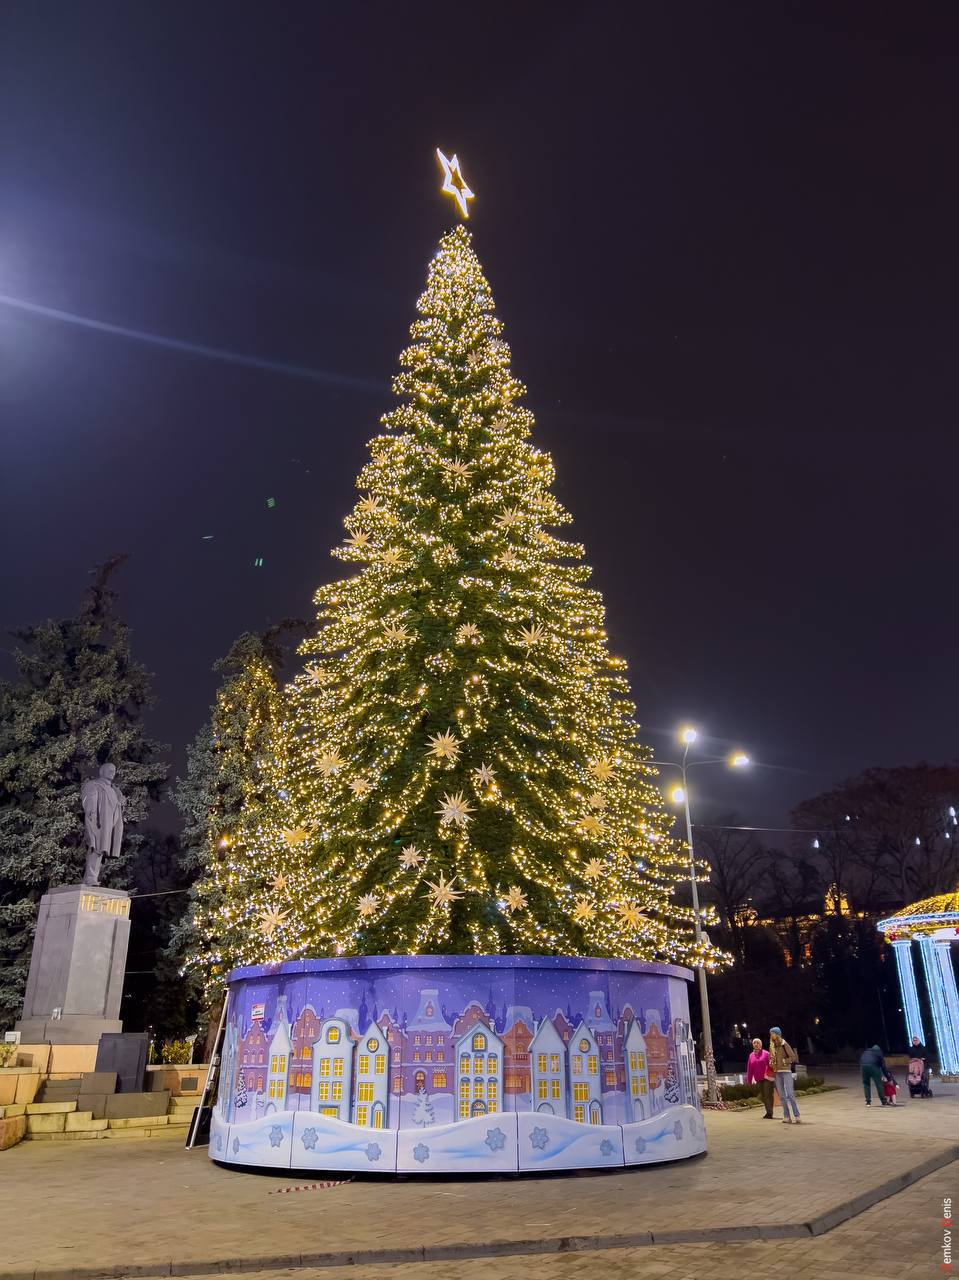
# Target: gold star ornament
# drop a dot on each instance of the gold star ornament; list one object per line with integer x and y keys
{"x": 410, "y": 857}
{"x": 295, "y": 836}
{"x": 444, "y": 746}
{"x": 271, "y": 918}
{"x": 330, "y": 762}
{"x": 367, "y": 905}
{"x": 396, "y": 633}
{"x": 443, "y": 892}
{"x": 454, "y": 184}
{"x": 583, "y": 910}
{"x": 630, "y": 914}
{"x": 602, "y": 770}
{"x": 455, "y": 809}
{"x": 515, "y": 900}
{"x": 592, "y": 827}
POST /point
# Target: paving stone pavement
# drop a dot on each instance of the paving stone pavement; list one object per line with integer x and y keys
{"x": 900, "y": 1239}
{"x": 126, "y": 1208}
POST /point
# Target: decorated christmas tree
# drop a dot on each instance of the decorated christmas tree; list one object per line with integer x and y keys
{"x": 235, "y": 806}
{"x": 463, "y": 758}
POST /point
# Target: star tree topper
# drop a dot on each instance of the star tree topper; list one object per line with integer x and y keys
{"x": 454, "y": 184}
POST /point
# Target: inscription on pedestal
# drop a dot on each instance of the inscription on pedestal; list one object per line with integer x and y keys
{"x": 108, "y": 906}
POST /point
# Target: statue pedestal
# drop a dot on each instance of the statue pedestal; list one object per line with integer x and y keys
{"x": 76, "y": 970}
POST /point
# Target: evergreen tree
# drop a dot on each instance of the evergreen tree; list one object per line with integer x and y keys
{"x": 78, "y": 701}
{"x": 423, "y": 1113}
{"x": 233, "y": 803}
{"x": 465, "y": 764}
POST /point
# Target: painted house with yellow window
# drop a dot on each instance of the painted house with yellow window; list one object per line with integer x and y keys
{"x": 278, "y": 1055}
{"x": 332, "y": 1086}
{"x": 548, "y": 1066}
{"x": 585, "y": 1080}
{"x": 372, "y": 1094}
{"x": 478, "y": 1057}
{"x": 305, "y": 1032}
{"x": 637, "y": 1072}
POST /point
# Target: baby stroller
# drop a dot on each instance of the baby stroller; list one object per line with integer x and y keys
{"x": 918, "y": 1079}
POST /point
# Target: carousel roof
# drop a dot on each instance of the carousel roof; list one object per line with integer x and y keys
{"x": 924, "y": 917}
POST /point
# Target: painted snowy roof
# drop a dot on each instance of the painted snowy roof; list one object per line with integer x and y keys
{"x": 598, "y": 1015}
{"x": 519, "y": 1013}
{"x": 429, "y": 1014}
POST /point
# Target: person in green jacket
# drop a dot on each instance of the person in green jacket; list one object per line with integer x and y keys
{"x": 873, "y": 1067}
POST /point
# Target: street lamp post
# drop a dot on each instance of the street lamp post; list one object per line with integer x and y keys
{"x": 680, "y": 795}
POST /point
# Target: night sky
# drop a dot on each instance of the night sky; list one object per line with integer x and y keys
{"x": 722, "y": 238}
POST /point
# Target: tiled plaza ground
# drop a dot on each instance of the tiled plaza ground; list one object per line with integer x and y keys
{"x": 899, "y": 1239}
{"x": 153, "y": 1208}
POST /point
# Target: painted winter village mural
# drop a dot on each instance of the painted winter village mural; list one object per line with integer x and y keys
{"x": 421, "y": 1065}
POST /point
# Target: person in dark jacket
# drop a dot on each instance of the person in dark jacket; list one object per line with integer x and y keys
{"x": 917, "y": 1049}
{"x": 873, "y": 1067}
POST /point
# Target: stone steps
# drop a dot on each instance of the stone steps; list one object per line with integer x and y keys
{"x": 64, "y": 1121}
{"x": 59, "y": 1091}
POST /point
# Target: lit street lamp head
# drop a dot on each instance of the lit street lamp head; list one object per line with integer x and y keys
{"x": 677, "y": 795}
{"x": 688, "y": 735}
{"x": 739, "y": 760}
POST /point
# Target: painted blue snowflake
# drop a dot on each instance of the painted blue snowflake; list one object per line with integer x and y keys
{"x": 309, "y": 1139}
{"x": 236, "y": 1145}
{"x": 678, "y": 1130}
{"x": 606, "y": 1147}
{"x": 693, "y": 1126}
{"x": 539, "y": 1138}
{"x": 219, "y": 1142}
{"x": 640, "y": 1146}
{"x": 276, "y": 1135}
{"x": 495, "y": 1139}
{"x": 373, "y": 1151}
{"x": 421, "y": 1152}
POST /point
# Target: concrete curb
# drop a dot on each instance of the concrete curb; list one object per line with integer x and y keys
{"x": 505, "y": 1248}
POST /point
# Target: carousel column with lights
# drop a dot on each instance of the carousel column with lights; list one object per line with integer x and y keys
{"x": 902, "y": 949}
{"x": 941, "y": 985}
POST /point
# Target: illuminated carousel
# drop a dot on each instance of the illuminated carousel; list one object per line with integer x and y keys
{"x": 933, "y": 925}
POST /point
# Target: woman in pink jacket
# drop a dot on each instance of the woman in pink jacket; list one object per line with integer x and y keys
{"x": 758, "y": 1072}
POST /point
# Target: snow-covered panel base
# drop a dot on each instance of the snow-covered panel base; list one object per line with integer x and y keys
{"x": 550, "y": 1142}
{"x": 675, "y": 1134}
{"x": 266, "y": 1142}
{"x": 320, "y": 1142}
{"x": 500, "y": 1143}
{"x": 219, "y": 1136}
{"x": 485, "y": 1144}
